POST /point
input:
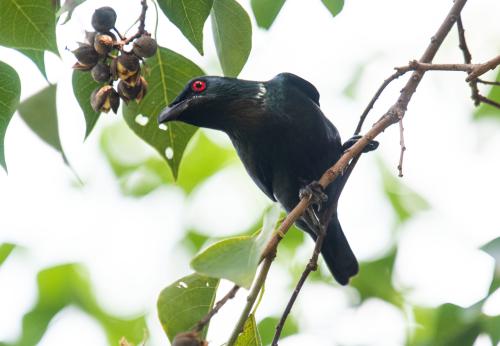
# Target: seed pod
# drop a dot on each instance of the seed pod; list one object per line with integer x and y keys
{"x": 128, "y": 93}
{"x": 145, "y": 46}
{"x": 103, "y": 44}
{"x": 104, "y": 19}
{"x": 188, "y": 339}
{"x": 143, "y": 91}
{"x": 90, "y": 36}
{"x": 101, "y": 73}
{"x": 86, "y": 55}
{"x": 104, "y": 99}
{"x": 126, "y": 66}
{"x": 82, "y": 67}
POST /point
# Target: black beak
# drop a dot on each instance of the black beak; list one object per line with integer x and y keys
{"x": 172, "y": 112}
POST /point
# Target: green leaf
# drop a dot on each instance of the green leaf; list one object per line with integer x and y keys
{"x": 487, "y": 111}
{"x": 447, "y": 325}
{"x": 189, "y": 16}
{"x": 28, "y": 24}
{"x": 267, "y": 328}
{"x": 182, "y": 304}
{"x": 193, "y": 241}
{"x": 38, "y": 58}
{"x": 250, "y": 334}
{"x": 237, "y": 258}
{"x": 10, "y": 91}
{"x": 40, "y": 114}
{"x": 168, "y": 73}
{"x": 232, "y": 32}
{"x": 492, "y": 248}
{"x": 5, "y": 250}
{"x": 69, "y": 6}
{"x": 83, "y": 86}
{"x": 375, "y": 280}
{"x": 334, "y": 6}
{"x": 404, "y": 200}
{"x": 491, "y": 326}
{"x": 68, "y": 284}
{"x": 266, "y": 11}
{"x": 204, "y": 153}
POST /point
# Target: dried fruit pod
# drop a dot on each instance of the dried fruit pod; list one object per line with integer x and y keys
{"x": 104, "y": 19}
{"x": 104, "y": 99}
{"x": 125, "y": 66}
{"x": 82, "y": 67}
{"x": 101, "y": 73}
{"x": 90, "y": 36}
{"x": 145, "y": 46}
{"x": 103, "y": 43}
{"x": 188, "y": 339}
{"x": 135, "y": 92}
{"x": 86, "y": 55}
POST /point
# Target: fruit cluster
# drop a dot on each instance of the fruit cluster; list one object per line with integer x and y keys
{"x": 106, "y": 59}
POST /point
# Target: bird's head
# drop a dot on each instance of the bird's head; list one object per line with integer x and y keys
{"x": 217, "y": 102}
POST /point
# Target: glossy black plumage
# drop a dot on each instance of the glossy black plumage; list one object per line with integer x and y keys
{"x": 283, "y": 139}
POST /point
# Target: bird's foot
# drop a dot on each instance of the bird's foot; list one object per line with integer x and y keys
{"x": 315, "y": 192}
{"x": 351, "y": 141}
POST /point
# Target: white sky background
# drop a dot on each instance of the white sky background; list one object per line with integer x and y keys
{"x": 128, "y": 244}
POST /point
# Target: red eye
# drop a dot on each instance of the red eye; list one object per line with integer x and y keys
{"x": 198, "y": 86}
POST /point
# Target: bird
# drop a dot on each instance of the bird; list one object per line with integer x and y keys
{"x": 285, "y": 143}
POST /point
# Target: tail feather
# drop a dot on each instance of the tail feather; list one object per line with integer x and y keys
{"x": 338, "y": 254}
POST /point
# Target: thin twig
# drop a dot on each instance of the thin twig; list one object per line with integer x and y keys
{"x": 495, "y": 83}
{"x": 311, "y": 266}
{"x": 403, "y": 147}
{"x": 374, "y": 99}
{"x": 484, "y": 99}
{"x": 206, "y": 319}
{"x": 252, "y": 297}
{"x": 141, "y": 29}
{"x": 467, "y": 58}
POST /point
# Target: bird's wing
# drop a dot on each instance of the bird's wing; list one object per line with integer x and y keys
{"x": 304, "y": 86}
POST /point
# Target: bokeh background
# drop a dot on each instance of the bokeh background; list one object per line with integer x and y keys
{"x": 103, "y": 251}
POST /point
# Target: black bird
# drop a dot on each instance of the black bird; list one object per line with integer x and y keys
{"x": 283, "y": 139}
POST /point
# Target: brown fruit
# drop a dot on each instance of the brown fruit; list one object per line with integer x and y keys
{"x": 135, "y": 92}
{"x": 145, "y": 46}
{"x": 103, "y": 44}
{"x": 86, "y": 55}
{"x": 101, "y": 73}
{"x": 104, "y": 99}
{"x": 126, "y": 66}
{"x": 188, "y": 339}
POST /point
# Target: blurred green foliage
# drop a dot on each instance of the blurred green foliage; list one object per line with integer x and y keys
{"x": 67, "y": 285}
{"x": 140, "y": 171}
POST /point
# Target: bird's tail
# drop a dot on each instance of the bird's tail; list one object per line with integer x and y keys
{"x": 338, "y": 254}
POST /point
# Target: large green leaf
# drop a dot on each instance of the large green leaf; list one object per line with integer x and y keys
{"x": 189, "y": 16}
{"x": 10, "y": 91}
{"x": 232, "y": 32}
{"x": 267, "y": 328}
{"x": 447, "y": 325}
{"x": 403, "y": 199}
{"x": 38, "y": 58}
{"x": 83, "y": 85}
{"x": 266, "y": 11}
{"x": 65, "y": 285}
{"x": 375, "y": 280}
{"x": 250, "y": 334}
{"x": 334, "y": 6}
{"x": 168, "y": 73}
{"x": 40, "y": 114}
{"x": 237, "y": 258}
{"x": 5, "y": 250}
{"x": 28, "y": 24}
{"x": 487, "y": 111}
{"x": 182, "y": 304}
